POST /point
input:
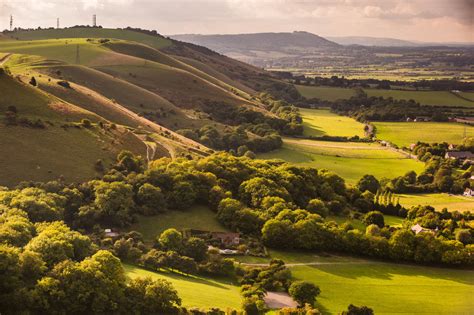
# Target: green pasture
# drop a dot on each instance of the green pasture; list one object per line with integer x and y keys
{"x": 195, "y": 291}
{"x": 444, "y": 98}
{"x": 406, "y": 133}
{"x": 349, "y": 160}
{"x": 439, "y": 201}
{"x": 197, "y": 217}
{"x": 320, "y": 122}
{"x": 326, "y": 93}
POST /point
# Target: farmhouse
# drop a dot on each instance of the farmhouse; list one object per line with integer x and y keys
{"x": 468, "y": 192}
{"x": 459, "y": 155}
{"x": 227, "y": 238}
{"x": 110, "y": 233}
{"x": 418, "y": 229}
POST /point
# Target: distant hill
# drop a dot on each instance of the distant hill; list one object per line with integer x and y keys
{"x": 372, "y": 41}
{"x": 258, "y": 41}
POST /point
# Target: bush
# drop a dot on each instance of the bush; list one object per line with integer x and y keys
{"x": 374, "y": 217}
{"x": 86, "y": 123}
{"x": 304, "y": 292}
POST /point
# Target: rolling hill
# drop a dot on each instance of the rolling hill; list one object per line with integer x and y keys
{"x": 146, "y": 86}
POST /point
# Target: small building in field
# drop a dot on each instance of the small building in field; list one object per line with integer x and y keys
{"x": 111, "y": 233}
{"x": 459, "y": 155}
{"x": 468, "y": 192}
{"x": 418, "y": 229}
{"x": 412, "y": 146}
{"x": 422, "y": 118}
{"x": 227, "y": 238}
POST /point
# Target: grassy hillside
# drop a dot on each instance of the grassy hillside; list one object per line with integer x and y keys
{"x": 89, "y": 32}
{"x": 320, "y": 122}
{"x": 325, "y": 93}
{"x": 349, "y": 160}
{"x": 406, "y": 133}
{"x": 43, "y": 155}
{"x": 439, "y": 201}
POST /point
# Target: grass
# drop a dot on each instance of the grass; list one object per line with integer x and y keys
{"x": 325, "y": 93}
{"x": 195, "y": 291}
{"x": 197, "y": 217}
{"x": 388, "y": 288}
{"x": 45, "y": 154}
{"x": 319, "y": 122}
{"x": 87, "y": 32}
{"x": 349, "y": 160}
{"x": 445, "y": 98}
{"x": 439, "y": 201}
{"x": 406, "y": 133}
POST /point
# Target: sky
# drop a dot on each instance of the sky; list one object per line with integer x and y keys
{"x": 419, "y": 20}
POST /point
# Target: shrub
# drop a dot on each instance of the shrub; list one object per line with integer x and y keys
{"x": 374, "y": 217}
{"x": 304, "y": 292}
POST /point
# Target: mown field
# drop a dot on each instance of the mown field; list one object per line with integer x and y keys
{"x": 439, "y": 201}
{"x": 423, "y": 97}
{"x": 388, "y": 288}
{"x": 445, "y": 98}
{"x": 326, "y": 93}
{"x": 320, "y": 122}
{"x": 349, "y": 160}
{"x": 406, "y": 133}
{"x": 196, "y": 291}
{"x": 197, "y": 217}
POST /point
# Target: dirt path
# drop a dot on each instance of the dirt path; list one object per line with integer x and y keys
{"x": 5, "y": 59}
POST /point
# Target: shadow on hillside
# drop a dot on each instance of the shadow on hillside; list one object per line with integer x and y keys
{"x": 216, "y": 282}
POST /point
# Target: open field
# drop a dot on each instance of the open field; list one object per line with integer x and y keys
{"x": 445, "y": 98}
{"x": 423, "y": 97}
{"x": 326, "y": 93}
{"x": 320, "y": 122}
{"x": 197, "y": 217}
{"x": 406, "y": 133}
{"x": 439, "y": 201}
{"x": 349, "y": 160}
{"x": 195, "y": 291}
{"x": 388, "y": 288}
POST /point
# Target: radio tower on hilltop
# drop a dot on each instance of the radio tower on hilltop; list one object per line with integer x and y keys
{"x": 94, "y": 20}
{"x": 11, "y": 23}
{"x": 57, "y": 23}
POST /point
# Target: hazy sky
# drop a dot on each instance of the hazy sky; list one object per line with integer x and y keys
{"x": 424, "y": 20}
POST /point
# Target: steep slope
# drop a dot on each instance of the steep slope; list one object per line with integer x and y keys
{"x": 42, "y": 139}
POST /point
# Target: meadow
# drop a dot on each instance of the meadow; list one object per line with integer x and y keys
{"x": 326, "y": 93}
{"x": 388, "y": 288}
{"x": 439, "y": 201}
{"x": 443, "y": 98}
{"x": 197, "y": 217}
{"x": 195, "y": 291}
{"x": 406, "y": 133}
{"x": 434, "y": 98}
{"x": 349, "y": 160}
{"x": 320, "y": 122}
